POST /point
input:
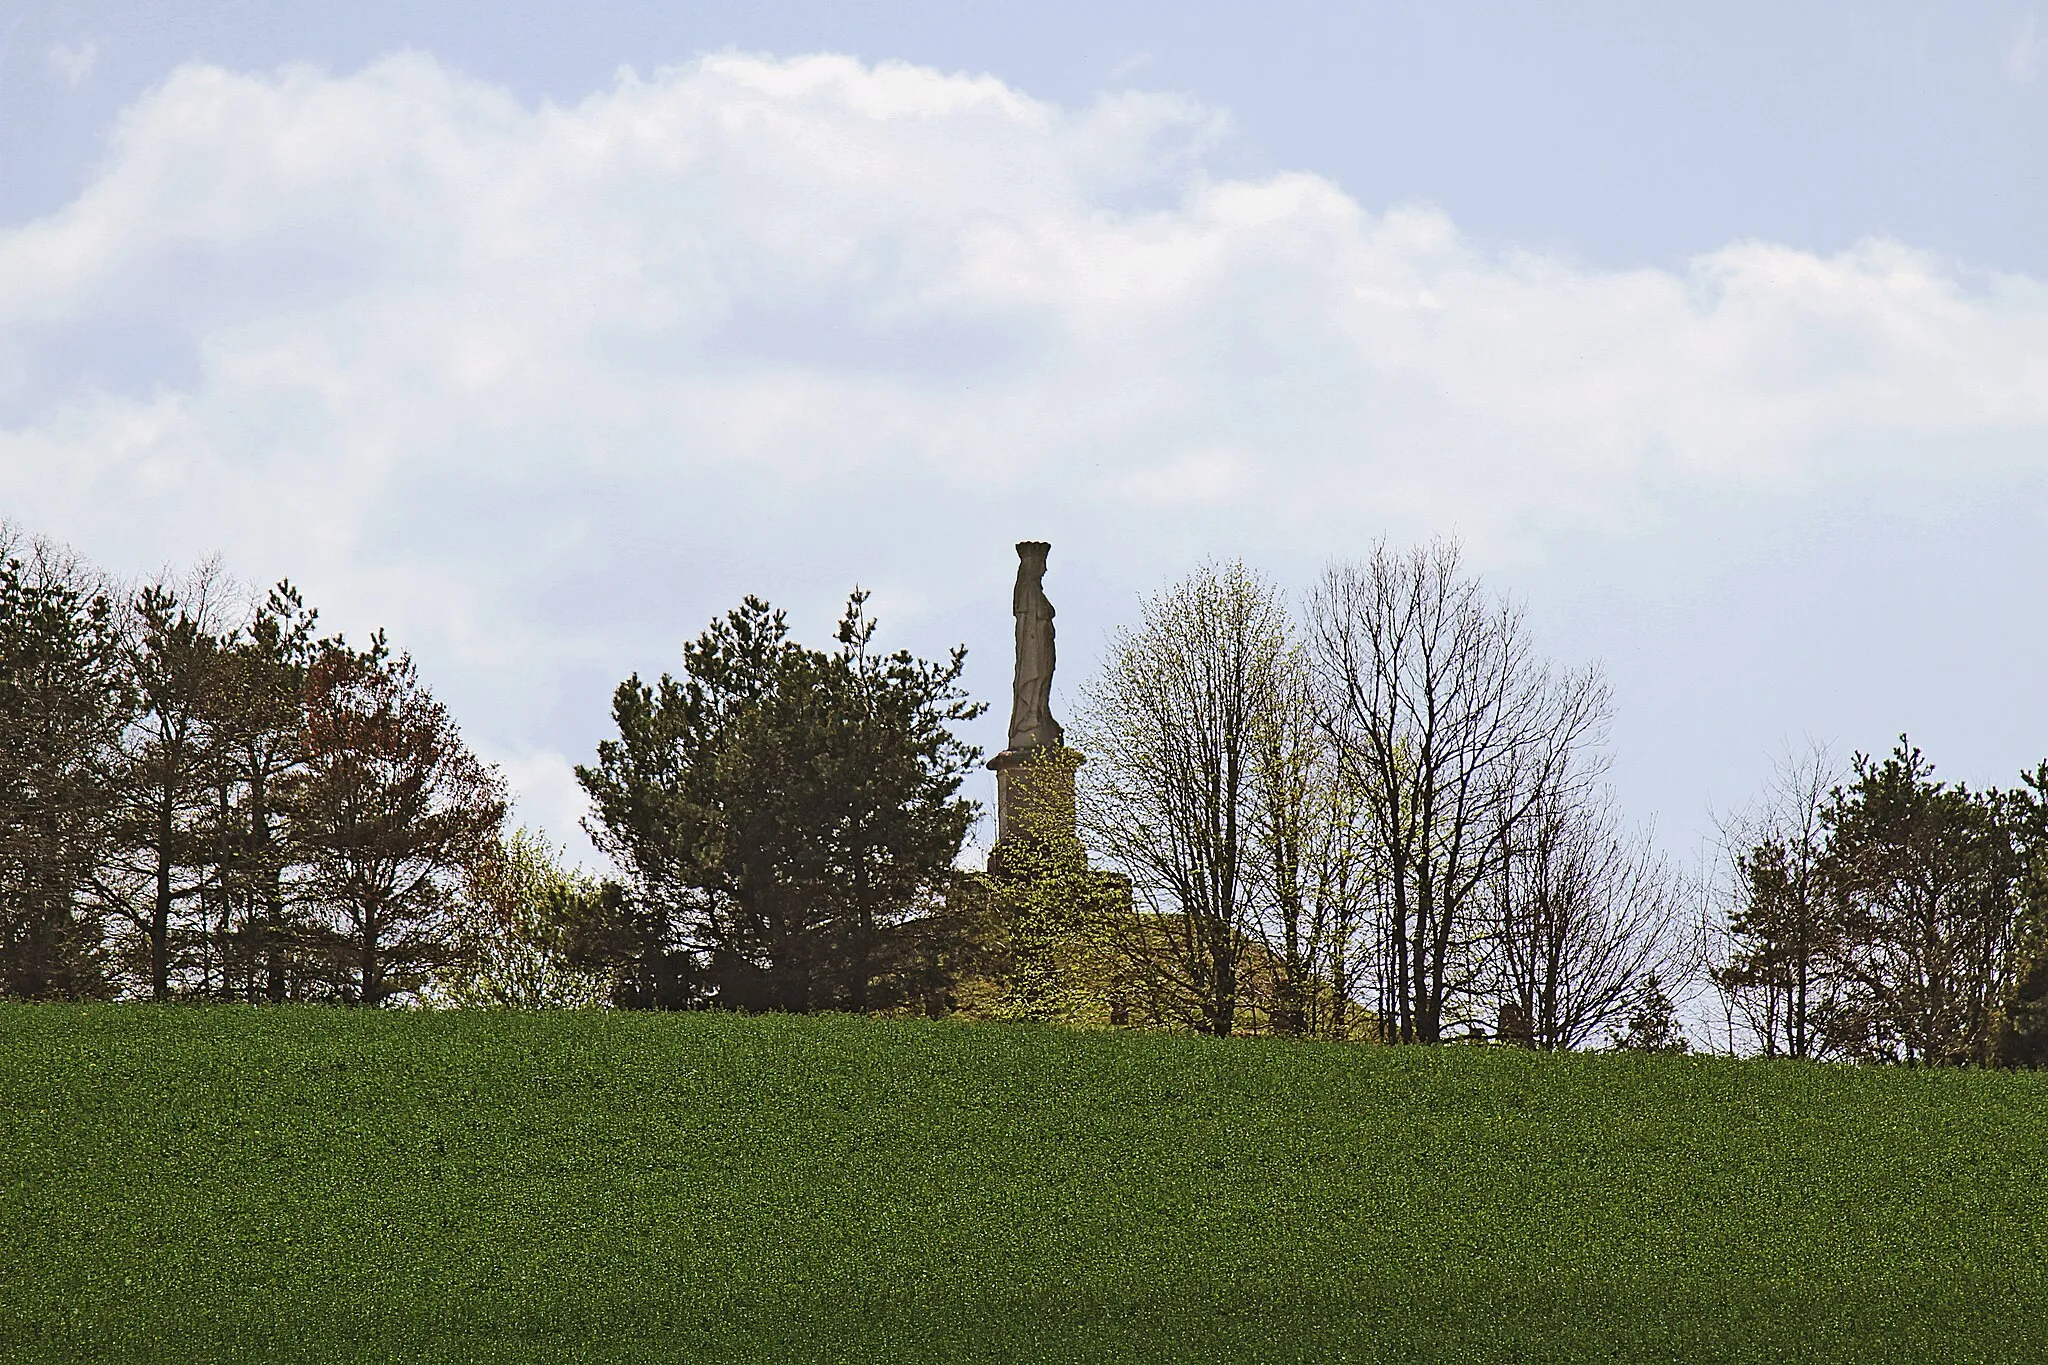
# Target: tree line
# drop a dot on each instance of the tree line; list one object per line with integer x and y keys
{"x": 1375, "y": 813}
{"x": 1382, "y": 815}
{"x": 1881, "y": 914}
{"x": 202, "y": 798}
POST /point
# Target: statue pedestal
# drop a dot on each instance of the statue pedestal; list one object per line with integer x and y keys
{"x": 1034, "y": 801}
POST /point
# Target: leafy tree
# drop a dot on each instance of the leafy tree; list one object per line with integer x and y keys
{"x": 512, "y": 931}
{"x": 63, "y": 701}
{"x": 1176, "y": 727}
{"x": 786, "y": 812}
{"x": 391, "y": 809}
{"x": 1053, "y": 936}
{"x": 1313, "y": 871}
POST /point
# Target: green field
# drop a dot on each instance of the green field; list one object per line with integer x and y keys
{"x": 205, "y": 1183}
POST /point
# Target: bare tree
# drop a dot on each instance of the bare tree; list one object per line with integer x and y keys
{"x": 1173, "y": 728}
{"x": 1454, "y": 731}
{"x": 1584, "y": 916}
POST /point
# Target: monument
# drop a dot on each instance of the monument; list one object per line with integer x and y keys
{"x": 1035, "y": 773}
{"x": 1057, "y": 911}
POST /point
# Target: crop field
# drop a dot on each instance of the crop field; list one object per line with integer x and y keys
{"x": 300, "y": 1183}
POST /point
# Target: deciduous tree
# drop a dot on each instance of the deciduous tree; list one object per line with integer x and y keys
{"x": 1583, "y": 915}
{"x": 1176, "y": 727}
{"x": 391, "y": 809}
{"x": 1312, "y": 871}
{"x": 511, "y": 932}
{"x": 1454, "y": 732}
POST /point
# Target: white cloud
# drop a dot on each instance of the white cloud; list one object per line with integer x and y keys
{"x": 73, "y": 62}
{"x": 1132, "y": 65}
{"x": 543, "y": 387}
{"x": 2022, "y": 61}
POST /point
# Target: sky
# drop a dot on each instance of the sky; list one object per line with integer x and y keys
{"x": 538, "y": 334}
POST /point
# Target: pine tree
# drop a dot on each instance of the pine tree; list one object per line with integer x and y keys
{"x": 1652, "y": 1022}
{"x": 785, "y": 813}
{"x": 162, "y": 854}
{"x": 63, "y": 701}
{"x": 259, "y": 750}
{"x": 1923, "y": 872}
{"x": 2021, "y": 1036}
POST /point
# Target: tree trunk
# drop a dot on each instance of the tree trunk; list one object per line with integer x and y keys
{"x": 160, "y": 917}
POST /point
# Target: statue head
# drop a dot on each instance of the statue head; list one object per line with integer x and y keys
{"x": 1029, "y": 594}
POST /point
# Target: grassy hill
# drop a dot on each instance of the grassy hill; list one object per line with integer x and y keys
{"x": 306, "y": 1183}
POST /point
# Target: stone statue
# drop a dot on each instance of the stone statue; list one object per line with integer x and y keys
{"x": 1031, "y": 722}
{"x": 1035, "y": 774}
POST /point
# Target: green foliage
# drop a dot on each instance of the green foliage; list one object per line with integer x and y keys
{"x": 1055, "y": 934}
{"x": 164, "y": 846}
{"x": 1176, "y": 727}
{"x": 262, "y": 933}
{"x": 1787, "y": 936}
{"x": 1922, "y": 873}
{"x": 2022, "y": 1031}
{"x": 198, "y": 805}
{"x": 787, "y": 812}
{"x": 238, "y": 1184}
{"x": 513, "y": 922}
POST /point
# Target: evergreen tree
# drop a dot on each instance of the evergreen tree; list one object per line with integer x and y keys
{"x": 259, "y": 750}
{"x": 2021, "y": 1035}
{"x": 63, "y": 701}
{"x": 1786, "y": 938}
{"x": 785, "y": 812}
{"x": 1923, "y": 874}
{"x": 162, "y": 854}
{"x": 1652, "y": 1022}
{"x": 610, "y": 931}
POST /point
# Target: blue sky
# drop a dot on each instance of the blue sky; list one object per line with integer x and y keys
{"x": 1718, "y": 333}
